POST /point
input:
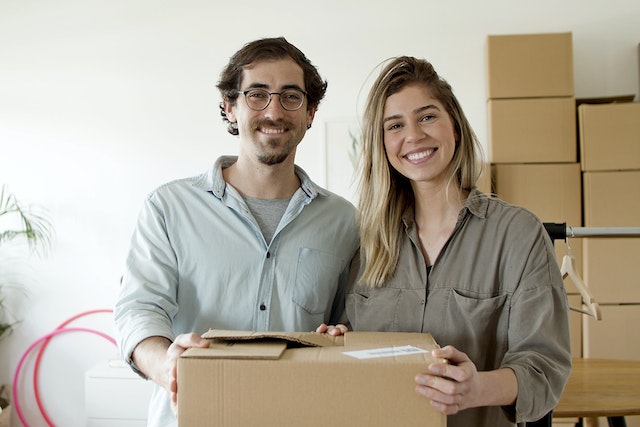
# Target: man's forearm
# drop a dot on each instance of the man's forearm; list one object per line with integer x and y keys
{"x": 149, "y": 356}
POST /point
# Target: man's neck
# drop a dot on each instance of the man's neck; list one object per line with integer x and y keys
{"x": 262, "y": 181}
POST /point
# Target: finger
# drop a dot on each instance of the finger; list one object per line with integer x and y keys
{"x": 450, "y": 353}
{"x": 336, "y": 330}
{"x": 191, "y": 340}
{"x": 444, "y": 408}
{"x": 322, "y": 328}
{"x": 343, "y": 329}
{"x": 437, "y": 387}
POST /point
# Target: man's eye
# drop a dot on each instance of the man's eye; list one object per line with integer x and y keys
{"x": 292, "y": 96}
{"x": 258, "y": 95}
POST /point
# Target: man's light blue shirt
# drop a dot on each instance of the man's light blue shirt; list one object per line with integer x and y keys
{"x": 198, "y": 260}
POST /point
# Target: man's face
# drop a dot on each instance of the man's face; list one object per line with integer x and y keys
{"x": 271, "y": 135}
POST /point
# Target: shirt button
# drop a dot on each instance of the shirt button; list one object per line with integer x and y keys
{"x": 422, "y": 302}
{"x": 263, "y": 307}
{"x": 268, "y": 254}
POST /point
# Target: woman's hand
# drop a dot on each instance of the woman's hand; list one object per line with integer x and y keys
{"x": 457, "y": 385}
{"x": 336, "y": 330}
{"x": 451, "y": 387}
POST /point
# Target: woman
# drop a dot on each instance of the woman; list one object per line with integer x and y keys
{"x": 438, "y": 256}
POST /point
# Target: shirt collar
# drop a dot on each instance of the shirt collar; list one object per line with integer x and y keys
{"x": 477, "y": 204}
{"x": 214, "y": 182}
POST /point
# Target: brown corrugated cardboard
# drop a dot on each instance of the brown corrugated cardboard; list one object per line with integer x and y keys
{"x": 609, "y": 136}
{"x": 529, "y": 65}
{"x": 610, "y": 265}
{"x": 611, "y": 269}
{"x": 540, "y": 130}
{"x": 552, "y": 191}
{"x": 226, "y": 385}
{"x": 611, "y": 199}
{"x": 613, "y": 336}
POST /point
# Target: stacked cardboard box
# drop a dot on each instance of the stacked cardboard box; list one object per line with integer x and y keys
{"x": 532, "y": 134}
{"x": 610, "y": 160}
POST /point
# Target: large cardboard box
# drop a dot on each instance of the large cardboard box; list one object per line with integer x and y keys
{"x": 551, "y": 191}
{"x": 529, "y": 65}
{"x": 283, "y": 379}
{"x": 611, "y": 199}
{"x": 609, "y": 136}
{"x": 540, "y": 130}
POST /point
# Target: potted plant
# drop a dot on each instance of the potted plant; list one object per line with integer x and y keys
{"x": 20, "y": 225}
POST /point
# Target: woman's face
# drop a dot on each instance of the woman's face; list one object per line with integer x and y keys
{"x": 419, "y": 136}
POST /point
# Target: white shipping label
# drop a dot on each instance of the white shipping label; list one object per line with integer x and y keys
{"x": 385, "y": 352}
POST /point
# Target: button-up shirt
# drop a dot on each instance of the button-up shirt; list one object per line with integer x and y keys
{"x": 198, "y": 260}
{"x": 494, "y": 292}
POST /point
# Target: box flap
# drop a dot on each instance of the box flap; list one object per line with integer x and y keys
{"x": 359, "y": 339}
{"x": 307, "y": 339}
{"x": 241, "y": 350}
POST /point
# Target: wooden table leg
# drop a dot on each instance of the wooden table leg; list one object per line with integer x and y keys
{"x": 591, "y": 422}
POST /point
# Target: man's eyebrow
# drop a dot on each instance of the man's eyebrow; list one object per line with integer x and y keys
{"x": 265, "y": 86}
{"x": 416, "y": 111}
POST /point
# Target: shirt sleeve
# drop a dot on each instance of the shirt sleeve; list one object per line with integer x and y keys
{"x": 539, "y": 345}
{"x": 146, "y": 302}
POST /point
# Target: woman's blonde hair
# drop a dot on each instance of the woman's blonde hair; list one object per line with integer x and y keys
{"x": 385, "y": 194}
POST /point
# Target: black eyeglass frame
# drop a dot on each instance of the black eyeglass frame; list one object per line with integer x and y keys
{"x": 245, "y": 92}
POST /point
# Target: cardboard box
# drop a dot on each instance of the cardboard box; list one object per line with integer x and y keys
{"x": 287, "y": 379}
{"x": 611, "y": 199}
{"x": 610, "y": 269}
{"x": 540, "y": 130}
{"x": 529, "y": 65}
{"x": 612, "y": 337}
{"x": 551, "y": 191}
{"x": 609, "y": 136}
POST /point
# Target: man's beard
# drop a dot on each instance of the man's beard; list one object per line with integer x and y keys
{"x": 275, "y": 158}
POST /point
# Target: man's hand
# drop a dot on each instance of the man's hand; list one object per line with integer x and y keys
{"x": 157, "y": 358}
{"x": 179, "y": 345}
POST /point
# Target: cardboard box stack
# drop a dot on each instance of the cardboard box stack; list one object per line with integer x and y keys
{"x": 532, "y": 135}
{"x": 610, "y": 159}
{"x": 590, "y": 178}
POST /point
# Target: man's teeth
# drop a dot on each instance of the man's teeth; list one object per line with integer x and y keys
{"x": 420, "y": 155}
{"x": 270, "y": 130}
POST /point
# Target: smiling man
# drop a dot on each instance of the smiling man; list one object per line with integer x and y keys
{"x": 251, "y": 244}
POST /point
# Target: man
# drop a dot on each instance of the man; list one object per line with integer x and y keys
{"x": 253, "y": 244}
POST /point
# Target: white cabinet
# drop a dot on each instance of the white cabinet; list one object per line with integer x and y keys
{"x": 115, "y": 396}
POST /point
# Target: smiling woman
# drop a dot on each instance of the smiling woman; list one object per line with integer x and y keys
{"x": 438, "y": 256}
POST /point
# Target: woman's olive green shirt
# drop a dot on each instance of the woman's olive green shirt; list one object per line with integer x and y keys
{"x": 495, "y": 292}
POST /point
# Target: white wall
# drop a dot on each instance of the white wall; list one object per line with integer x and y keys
{"x": 100, "y": 101}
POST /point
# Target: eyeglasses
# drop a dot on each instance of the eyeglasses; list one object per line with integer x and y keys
{"x": 259, "y": 99}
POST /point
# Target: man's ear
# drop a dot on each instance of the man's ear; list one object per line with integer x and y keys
{"x": 229, "y": 110}
{"x": 311, "y": 112}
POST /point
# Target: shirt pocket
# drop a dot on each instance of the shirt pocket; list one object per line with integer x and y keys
{"x": 316, "y": 281}
{"x": 373, "y": 309}
{"x": 477, "y": 324}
